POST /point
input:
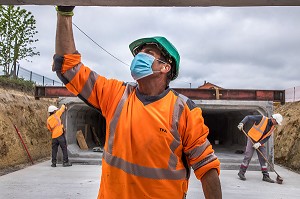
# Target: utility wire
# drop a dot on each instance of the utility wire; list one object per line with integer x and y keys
{"x": 99, "y": 45}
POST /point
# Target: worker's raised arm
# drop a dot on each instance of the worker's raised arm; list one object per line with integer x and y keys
{"x": 64, "y": 43}
{"x": 95, "y": 90}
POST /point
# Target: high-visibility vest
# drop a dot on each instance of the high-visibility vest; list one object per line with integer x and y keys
{"x": 147, "y": 142}
{"x": 256, "y": 131}
{"x": 54, "y": 123}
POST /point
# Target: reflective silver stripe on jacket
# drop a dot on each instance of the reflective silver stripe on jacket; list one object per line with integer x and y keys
{"x": 211, "y": 157}
{"x": 196, "y": 152}
{"x": 70, "y": 74}
{"x": 113, "y": 124}
{"x": 89, "y": 85}
{"x": 258, "y": 127}
{"x": 141, "y": 171}
{"x": 58, "y": 120}
{"x": 154, "y": 173}
{"x": 178, "y": 109}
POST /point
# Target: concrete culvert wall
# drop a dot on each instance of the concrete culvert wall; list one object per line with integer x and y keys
{"x": 221, "y": 116}
{"x": 80, "y": 116}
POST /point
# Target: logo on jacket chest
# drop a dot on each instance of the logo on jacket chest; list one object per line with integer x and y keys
{"x": 162, "y": 130}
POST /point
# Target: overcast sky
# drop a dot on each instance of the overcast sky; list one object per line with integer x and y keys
{"x": 235, "y": 48}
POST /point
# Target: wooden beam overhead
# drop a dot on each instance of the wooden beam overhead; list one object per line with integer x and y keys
{"x": 156, "y": 3}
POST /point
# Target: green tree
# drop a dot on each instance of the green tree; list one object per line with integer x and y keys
{"x": 17, "y": 31}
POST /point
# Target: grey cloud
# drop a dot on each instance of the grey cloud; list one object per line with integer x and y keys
{"x": 254, "y": 47}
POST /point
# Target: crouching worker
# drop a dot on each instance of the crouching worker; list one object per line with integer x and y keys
{"x": 58, "y": 137}
{"x": 259, "y": 128}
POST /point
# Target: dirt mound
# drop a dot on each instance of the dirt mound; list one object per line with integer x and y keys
{"x": 29, "y": 116}
{"x": 287, "y": 137}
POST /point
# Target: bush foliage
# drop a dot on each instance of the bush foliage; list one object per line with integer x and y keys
{"x": 17, "y": 84}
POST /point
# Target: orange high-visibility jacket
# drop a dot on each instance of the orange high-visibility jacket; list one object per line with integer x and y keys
{"x": 54, "y": 123}
{"x": 151, "y": 141}
{"x": 257, "y": 131}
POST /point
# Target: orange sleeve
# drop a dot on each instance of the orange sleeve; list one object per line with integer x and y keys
{"x": 60, "y": 111}
{"x": 92, "y": 88}
{"x": 196, "y": 146}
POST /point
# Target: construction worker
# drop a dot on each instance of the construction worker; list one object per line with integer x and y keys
{"x": 259, "y": 129}
{"x": 154, "y": 134}
{"x": 58, "y": 137}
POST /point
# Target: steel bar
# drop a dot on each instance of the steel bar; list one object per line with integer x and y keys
{"x": 192, "y": 93}
{"x": 156, "y": 3}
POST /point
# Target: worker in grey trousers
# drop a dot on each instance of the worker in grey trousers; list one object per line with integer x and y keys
{"x": 259, "y": 128}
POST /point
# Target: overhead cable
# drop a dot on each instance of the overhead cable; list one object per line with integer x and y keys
{"x": 99, "y": 45}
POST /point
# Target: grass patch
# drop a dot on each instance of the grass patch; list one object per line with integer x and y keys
{"x": 17, "y": 84}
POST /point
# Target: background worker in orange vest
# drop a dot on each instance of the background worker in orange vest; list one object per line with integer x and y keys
{"x": 154, "y": 135}
{"x": 259, "y": 128}
{"x": 58, "y": 136}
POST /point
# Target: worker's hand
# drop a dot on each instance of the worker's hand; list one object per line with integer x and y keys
{"x": 65, "y": 10}
{"x": 240, "y": 126}
{"x": 256, "y": 145}
{"x": 65, "y": 106}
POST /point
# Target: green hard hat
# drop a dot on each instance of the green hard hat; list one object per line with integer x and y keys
{"x": 166, "y": 47}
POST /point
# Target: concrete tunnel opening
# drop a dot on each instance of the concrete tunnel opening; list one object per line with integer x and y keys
{"x": 221, "y": 116}
{"x": 81, "y": 117}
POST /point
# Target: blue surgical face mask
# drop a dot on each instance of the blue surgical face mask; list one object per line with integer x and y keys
{"x": 141, "y": 65}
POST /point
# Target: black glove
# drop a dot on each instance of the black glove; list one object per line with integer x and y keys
{"x": 65, "y": 10}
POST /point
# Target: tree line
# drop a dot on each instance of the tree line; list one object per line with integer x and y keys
{"x": 17, "y": 36}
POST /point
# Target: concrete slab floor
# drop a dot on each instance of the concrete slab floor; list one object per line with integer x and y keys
{"x": 41, "y": 181}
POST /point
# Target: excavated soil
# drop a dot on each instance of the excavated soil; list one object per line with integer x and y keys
{"x": 30, "y": 115}
{"x": 287, "y": 137}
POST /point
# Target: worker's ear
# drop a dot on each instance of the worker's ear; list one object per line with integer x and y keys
{"x": 166, "y": 68}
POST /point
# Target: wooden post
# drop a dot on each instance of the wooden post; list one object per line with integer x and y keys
{"x": 81, "y": 141}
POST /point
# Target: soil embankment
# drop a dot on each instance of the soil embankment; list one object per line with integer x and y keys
{"x": 29, "y": 116}
{"x": 287, "y": 137}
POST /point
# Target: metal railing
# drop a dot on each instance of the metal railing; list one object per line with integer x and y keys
{"x": 36, "y": 78}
